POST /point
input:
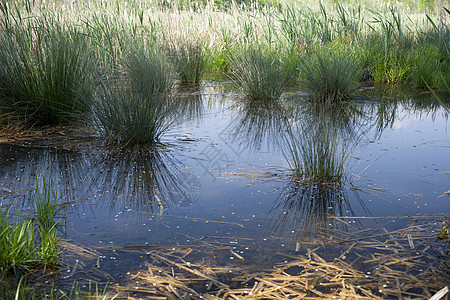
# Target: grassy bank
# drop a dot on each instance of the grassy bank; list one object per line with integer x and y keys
{"x": 55, "y": 56}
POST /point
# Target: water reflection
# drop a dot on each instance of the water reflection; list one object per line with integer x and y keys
{"x": 307, "y": 209}
{"x": 258, "y": 123}
{"x": 392, "y": 103}
{"x": 150, "y": 180}
{"x": 190, "y": 101}
{"x": 321, "y": 140}
{"x": 146, "y": 180}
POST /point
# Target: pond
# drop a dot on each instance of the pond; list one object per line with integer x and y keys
{"x": 220, "y": 189}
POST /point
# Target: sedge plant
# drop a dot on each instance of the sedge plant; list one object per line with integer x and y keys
{"x": 319, "y": 152}
{"x": 259, "y": 73}
{"x": 188, "y": 59}
{"x": 46, "y": 70}
{"x": 329, "y": 77}
{"x": 133, "y": 105}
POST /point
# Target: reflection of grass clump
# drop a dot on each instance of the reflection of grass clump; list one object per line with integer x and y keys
{"x": 132, "y": 106}
{"x": 259, "y": 74}
{"x": 330, "y": 76}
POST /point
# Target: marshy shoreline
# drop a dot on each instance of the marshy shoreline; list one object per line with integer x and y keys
{"x": 263, "y": 150}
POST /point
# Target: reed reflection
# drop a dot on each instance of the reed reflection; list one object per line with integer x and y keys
{"x": 307, "y": 209}
{"x": 321, "y": 139}
{"x": 150, "y": 180}
{"x": 258, "y": 122}
{"x": 320, "y": 142}
{"x": 391, "y": 104}
{"x": 190, "y": 101}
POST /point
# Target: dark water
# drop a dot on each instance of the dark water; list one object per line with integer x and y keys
{"x": 224, "y": 176}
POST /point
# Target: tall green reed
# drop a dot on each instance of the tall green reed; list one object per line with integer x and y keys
{"x": 259, "y": 73}
{"x": 46, "y": 70}
{"x": 133, "y": 105}
{"x": 188, "y": 59}
{"x": 389, "y": 43}
{"x": 329, "y": 76}
{"x": 432, "y": 55}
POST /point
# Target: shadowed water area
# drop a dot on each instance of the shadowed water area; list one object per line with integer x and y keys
{"x": 220, "y": 190}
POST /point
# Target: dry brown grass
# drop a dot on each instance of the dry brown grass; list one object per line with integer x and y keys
{"x": 409, "y": 263}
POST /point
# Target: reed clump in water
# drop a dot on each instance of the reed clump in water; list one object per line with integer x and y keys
{"x": 259, "y": 73}
{"x": 319, "y": 152}
{"x": 330, "y": 77}
{"x": 188, "y": 59}
{"x": 133, "y": 105}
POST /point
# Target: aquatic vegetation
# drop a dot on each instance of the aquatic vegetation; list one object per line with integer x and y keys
{"x": 47, "y": 203}
{"x": 329, "y": 77}
{"x": 188, "y": 59}
{"x": 427, "y": 61}
{"x": 259, "y": 73}
{"x": 17, "y": 244}
{"x": 319, "y": 152}
{"x": 31, "y": 242}
{"x": 22, "y": 289}
{"x": 46, "y": 70}
{"x": 133, "y": 106}
{"x": 319, "y": 158}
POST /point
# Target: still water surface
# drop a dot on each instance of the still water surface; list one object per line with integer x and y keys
{"x": 224, "y": 176}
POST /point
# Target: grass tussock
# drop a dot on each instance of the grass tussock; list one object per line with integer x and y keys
{"x": 132, "y": 105}
{"x": 46, "y": 71}
{"x": 188, "y": 59}
{"x": 329, "y": 76}
{"x": 259, "y": 73}
{"x": 319, "y": 152}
